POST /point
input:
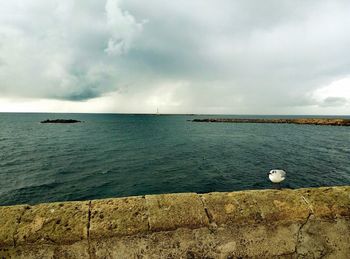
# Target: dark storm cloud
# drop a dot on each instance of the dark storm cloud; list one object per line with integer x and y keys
{"x": 227, "y": 56}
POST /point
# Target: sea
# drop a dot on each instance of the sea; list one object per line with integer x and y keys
{"x": 115, "y": 155}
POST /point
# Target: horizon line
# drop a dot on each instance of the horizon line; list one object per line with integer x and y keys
{"x": 184, "y": 114}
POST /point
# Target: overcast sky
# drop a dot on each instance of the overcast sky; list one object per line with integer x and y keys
{"x": 197, "y": 56}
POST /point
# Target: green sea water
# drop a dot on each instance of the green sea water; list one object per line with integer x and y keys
{"x": 113, "y": 155}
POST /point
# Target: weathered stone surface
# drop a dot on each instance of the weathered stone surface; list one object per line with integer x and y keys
{"x": 305, "y": 223}
{"x": 324, "y": 239}
{"x": 60, "y": 223}
{"x": 170, "y": 211}
{"x": 328, "y": 202}
{"x": 256, "y": 206}
{"x": 253, "y": 241}
{"x": 77, "y": 250}
{"x": 115, "y": 217}
{"x": 9, "y": 219}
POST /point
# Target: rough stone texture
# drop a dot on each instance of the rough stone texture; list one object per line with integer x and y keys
{"x": 328, "y": 202}
{"x": 9, "y": 219}
{"x": 325, "y": 239}
{"x": 77, "y": 250}
{"x": 170, "y": 211}
{"x": 56, "y": 223}
{"x": 116, "y": 217}
{"x": 253, "y": 241}
{"x": 305, "y": 223}
{"x": 256, "y": 206}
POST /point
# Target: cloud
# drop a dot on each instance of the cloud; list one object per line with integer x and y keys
{"x": 189, "y": 56}
{"x": 334, "y": 101}
{"x": 336, "y": 94}
{"x": 123, "y": 28}
{"x": 57, "y": 49}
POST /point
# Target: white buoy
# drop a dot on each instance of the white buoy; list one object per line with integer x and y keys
{"x": 277, "y": 175}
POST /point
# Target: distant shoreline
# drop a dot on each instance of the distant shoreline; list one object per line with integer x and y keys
{"x": 311, "y": 121}
{"x": 188, "y": 114}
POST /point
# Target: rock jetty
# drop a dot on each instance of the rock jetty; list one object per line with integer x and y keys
{"x": 60, "y": 121}
{"x": 311, "y": 121}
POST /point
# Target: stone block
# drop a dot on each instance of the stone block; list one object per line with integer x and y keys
{"x": 256, "y": 206}
{"x": 117, "y": 217}
{"x": 9, "y": 219}
{"x": 44, "y": 251}
{"x": 328, "y": 202}
{"x": 171, "y": 211}
{"x": 53, "y": 223}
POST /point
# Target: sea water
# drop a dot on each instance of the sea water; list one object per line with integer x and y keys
{"x": 114, "y": 155}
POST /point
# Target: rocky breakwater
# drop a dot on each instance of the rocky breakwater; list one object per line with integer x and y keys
{"x": 304, "y": 223}
{"x": 60, "y": 121}
{"x": 312, "y": 121}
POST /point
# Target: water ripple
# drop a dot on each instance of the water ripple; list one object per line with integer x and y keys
{"x": 118, "y": 155}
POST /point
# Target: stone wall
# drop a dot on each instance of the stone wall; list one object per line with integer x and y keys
{"x": 304, "y": 223}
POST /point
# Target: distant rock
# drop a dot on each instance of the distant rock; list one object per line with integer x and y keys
{"x": 60, "y": 121}
{"x": 312, "y": 121}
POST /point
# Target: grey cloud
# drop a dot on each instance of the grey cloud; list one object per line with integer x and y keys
{"x": 56, "y": 49}
{"x": 236, "y": 56}
{"x": 334, "y": 102}
{"x": 81, "y": 95}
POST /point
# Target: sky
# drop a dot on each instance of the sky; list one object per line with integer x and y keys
{"x": 198, "y": 56}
